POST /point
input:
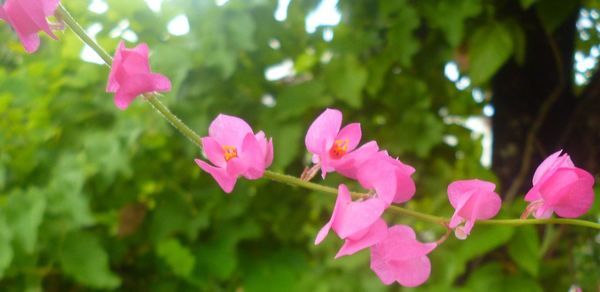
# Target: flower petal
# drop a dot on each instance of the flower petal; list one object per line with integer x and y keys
{"x": 229, "y": 130}
{"x": 414, "y": 272}
{"x": 343, "y": 198}
{"x": 322, "y": 131}
{"x": 214, "y": 152}
{"x": 225, "y": 181}
{"x": 376, "y": 233}
{"x": 352, "y": 133}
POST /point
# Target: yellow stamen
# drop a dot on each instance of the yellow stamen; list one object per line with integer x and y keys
{"x": 339, "y": 149}
{"x": 229, "y": 152}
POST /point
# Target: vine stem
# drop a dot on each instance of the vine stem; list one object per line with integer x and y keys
{"x": 152, "y": 98}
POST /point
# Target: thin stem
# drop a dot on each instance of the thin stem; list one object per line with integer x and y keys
{"x": 152, "y": 98}
{"x": 63, "y": 14}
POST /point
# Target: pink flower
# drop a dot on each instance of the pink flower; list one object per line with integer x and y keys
{"x": 28, "y": 17}
{"x": 329, "y": 145}
{"x": 473, "y": 200}
{"x": 401, "y": 257}
{"x": 130, "y": 75}
{"x": 358, "y": 223}
{"x": 560, "y": 187}
{"x": 390, "y": 178}
{"x": 234, "y": 150}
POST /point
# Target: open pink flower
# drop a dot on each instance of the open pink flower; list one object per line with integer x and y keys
{"x": 130, "y": 75}
{"x": 329, "y": 145}
{"x": 234, "y": 150}
{"x": 358, "y": 223}
{"x": 473, "y": 200}
{"x": 560, "y": 187}
{"x": 28, "y": 17}
{"x": 401, "y": 258}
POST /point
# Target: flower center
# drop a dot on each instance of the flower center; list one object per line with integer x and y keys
{"x": 339, "y": 149}
{"x": 229, "y": 152}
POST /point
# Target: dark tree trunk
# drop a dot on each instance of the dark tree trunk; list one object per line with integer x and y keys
{"x": 520, "y": 93}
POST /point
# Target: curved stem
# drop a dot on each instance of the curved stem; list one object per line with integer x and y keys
{"x": 152, "y": 98}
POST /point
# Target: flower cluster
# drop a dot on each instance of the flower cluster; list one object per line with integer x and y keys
{"x": 234, "y": 149}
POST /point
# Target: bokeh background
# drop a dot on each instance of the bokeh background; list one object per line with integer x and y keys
{"x": 92, "y": 198}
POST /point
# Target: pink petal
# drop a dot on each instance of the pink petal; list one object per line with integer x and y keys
{"x": 356, "y": 216}
{"x": 381, "y": 267}
{"x": 352, "y": 133}
{"x": 414, "y": 272}
{"x": 550, "y": 164}
{"x": 349, "y": 164}
{"x": 376, "y": 233}
{"x": 574, "y": 199}
{"x": 214, "y": 152}
{"x": 405, "y": 187}
{"x": 225, "y": 181}
{"x": 457, "y": 189}
{"x": 160, "y": 82}
{"x": 113, "y": 84}
{"x": 123, "y": 99}
{"x": 253, "y": 157}
{"x": 343, "y": 198}
{"x": 229, "y": 130}
{"x": 49, "y": 6}
{"x": 322, "y": 131}
{"x": 269, "y": 154}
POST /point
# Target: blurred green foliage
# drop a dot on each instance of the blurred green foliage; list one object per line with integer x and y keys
{"x": 95, "y": 198}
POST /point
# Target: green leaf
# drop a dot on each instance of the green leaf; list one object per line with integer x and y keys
{"x": 525, "y": 4}
{"x": 489, "y": 48}
{"x": 346, "y": 78}
{"x": 455, "y": 13}
{"x": 25, "y": 211}
{"x": 519, "y": 41}
{"x": 402, "y": 19}
{"x": 85, "y": 260}
{"x": 491, "y": 278}
{"x": 524, "y": 249}
{"x": 553, "y": 13}
{"x": 178, "y": 257}
{"x": 6, "y": 250}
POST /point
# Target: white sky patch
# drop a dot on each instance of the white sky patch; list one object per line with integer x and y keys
{"x": 463, "y": 83}
{"x": 179, "y": 25}
{"x": 489, "y": 110}
{"x": 481, "y": 126}
{"x": 268, "y": 100}
{"x": 281, "y": 10}
{"x": 88, "y": 54}
{"x": 130, "y": 36}
{"x": 274, "y": 44}
{"x": 451, "y": 71}
{"x": 478, "y": 95}
{"x": 328, "y": 34}
{"x": 98, "y": 6}
{"x": 119, "y": 29}
{"x": 281, "y": 70}
{"x": 326, "y": 14}
{"x": 221, "y": 2}
{"x": 154, "y": 5}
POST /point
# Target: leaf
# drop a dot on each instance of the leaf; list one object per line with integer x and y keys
{"x": 492, "y": 278}
{"x": 276, "y": 271}
{"x": 403, "y": 19}
{"x": 345, "y": 78}
{"x": 553, "y": 13}
{"x": 455, "y": 13}
{"x": 6, "y": 250}
{"x": 178, "y": 257}
{"x": 519, "y": 41}
{"x": 24, "y": 214}
{"x": 84, "y": 259}
{"x": 489, "y": 48}
{"x": 524, "y": 249}
{"x": 525, "y": 4}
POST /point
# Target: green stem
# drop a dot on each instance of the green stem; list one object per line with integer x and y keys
{"x": 152, "y": 98}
